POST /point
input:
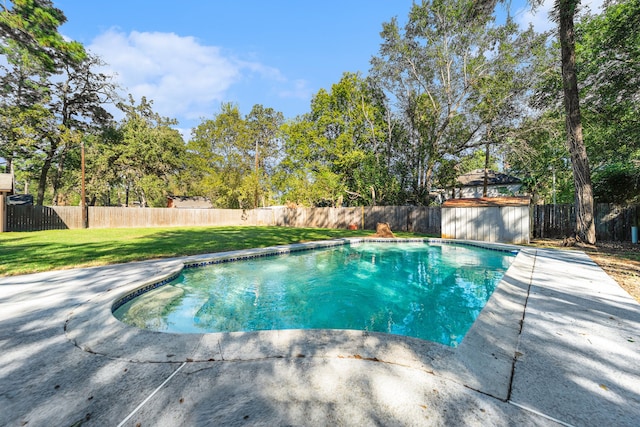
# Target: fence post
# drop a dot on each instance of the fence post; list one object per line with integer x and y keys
{"x": 3, "y": 213}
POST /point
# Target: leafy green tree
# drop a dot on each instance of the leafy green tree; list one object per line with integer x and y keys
{"x": 538, "y": 154}
{"x": 232, "y": 158}
{"x": 607, "y": 64}
{"x": 338, "y": 150}
{"x": 103, "y": 181}
{"x": 23, "y": 113}
{"x": 33, "y": 26}
{"x": 475, "y": 160}
{"x": 565, "y": 13}
{"x": 608, "y": 55}
{"x": 264, "y": 125}
{"x": 536, "y": 149}
{"x": 146, "y": 154}
{"x": 50, "y": 94}
{"x": 608, "y": 58}
{"x": 216, "y": 163}
{"x": 617, "y": 182}
{"x": 34, "y": 50}
{"x": 585, "y": 214}
{"x": 455, "y": 80}
{"x": 303, "y": 177}
{"x": 77, "y": 102}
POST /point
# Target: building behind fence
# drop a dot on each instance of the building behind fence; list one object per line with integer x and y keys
{"x": 612, "y": 222}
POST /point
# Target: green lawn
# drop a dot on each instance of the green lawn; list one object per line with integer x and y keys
{"x": 30, "y": 252}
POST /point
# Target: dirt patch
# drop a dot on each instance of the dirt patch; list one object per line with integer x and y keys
{"x": 620, "y": 260}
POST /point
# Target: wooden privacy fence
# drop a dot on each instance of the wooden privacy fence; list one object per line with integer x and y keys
{"x": 405, "y": 218}
{"x": 548, "y": 221}
{"x": 114, "y": 217}
{"x": 613, "y": 222}
{"x": 33, "y": 218}
{"x": 416, "y": 219}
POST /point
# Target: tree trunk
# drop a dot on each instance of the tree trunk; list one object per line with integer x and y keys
{"x": 428, "y": 180}
{"x": 9, "y": 166}
{"x": 42, "y": 183}
{"x": 58, "y": 176}
{"x": 485, "y": 181}
{"x": 585, "y": 226}
{"x": 142, "y": 198}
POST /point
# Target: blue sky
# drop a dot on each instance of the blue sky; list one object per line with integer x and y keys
{"x": 191, "y": 56}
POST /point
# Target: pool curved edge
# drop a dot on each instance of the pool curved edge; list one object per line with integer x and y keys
{"x": 240, "y": 255}
{"x": 483, "y": 361}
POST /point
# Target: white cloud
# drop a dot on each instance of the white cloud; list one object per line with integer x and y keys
{"x": 540, "y": 17}
{"x": 183, "y": 78}
{"x": 300, "y": 90}
{"x": 264, "y": 71}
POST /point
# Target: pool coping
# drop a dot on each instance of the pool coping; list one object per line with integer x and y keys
{"x": 483, "y": 361}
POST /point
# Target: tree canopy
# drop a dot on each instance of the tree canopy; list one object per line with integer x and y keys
{"x": 452, "y": 90}
{"x": 456, "y": 82}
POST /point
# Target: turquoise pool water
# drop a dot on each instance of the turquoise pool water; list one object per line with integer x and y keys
{"x": 428, "y": 291}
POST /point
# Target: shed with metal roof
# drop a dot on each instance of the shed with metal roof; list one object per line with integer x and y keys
{"x": 489, "y": 219}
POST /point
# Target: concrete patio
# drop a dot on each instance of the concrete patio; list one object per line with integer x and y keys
{"x": 557, "y": 344}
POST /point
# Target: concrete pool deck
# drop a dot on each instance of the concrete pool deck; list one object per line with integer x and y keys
{"x": 557, "y": 344}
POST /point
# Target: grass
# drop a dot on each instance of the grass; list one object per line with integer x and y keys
{"x": 31, "y": 252}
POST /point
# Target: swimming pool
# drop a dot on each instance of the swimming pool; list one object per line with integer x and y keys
{"x": 428, "y": 291}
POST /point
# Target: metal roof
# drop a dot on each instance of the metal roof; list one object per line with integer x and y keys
{"x": 476, "y": 178}
{"x": 189, "y": 202}
{"x": 487, "y": 201}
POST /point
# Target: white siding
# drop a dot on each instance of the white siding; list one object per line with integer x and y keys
{"x": 506, "y": 224}
{"x": 448, "y": 226}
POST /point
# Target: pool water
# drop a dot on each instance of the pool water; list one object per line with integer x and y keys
{"x": 428, "y": 291}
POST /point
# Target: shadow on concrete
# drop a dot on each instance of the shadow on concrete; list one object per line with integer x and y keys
{"x": 66, "y": 361}
{"x": 579, "y": 357}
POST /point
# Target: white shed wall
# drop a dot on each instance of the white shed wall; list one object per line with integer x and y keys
{"x": 505, "y": 224}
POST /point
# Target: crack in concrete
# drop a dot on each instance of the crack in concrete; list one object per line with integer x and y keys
{"x": 517, "y": 354}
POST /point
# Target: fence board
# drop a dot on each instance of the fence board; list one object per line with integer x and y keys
{"x": 613, "y": 223}
{"x": 36, "y": 218}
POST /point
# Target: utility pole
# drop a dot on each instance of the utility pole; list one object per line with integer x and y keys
{"x": 255, "y": 204}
